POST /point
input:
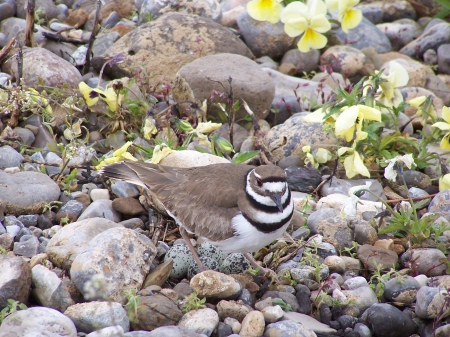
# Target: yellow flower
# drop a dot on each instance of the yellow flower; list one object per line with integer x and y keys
{"x": 347, "y": 15}
{"x": 445, "y": 126}
{"x": 149, "y": 128}
{"x": 308, "y": 20}
{"x": 444, "y": 182}
{"x": 353, "y": 164}
{"x": 91, "y": 95}
{"x": 353, "y": 117}
{"x": 398, "y": 77}
{"x": 207, "y": 127}
{"x": 323, "y": 155}
{"x": 306, "y": 148}
{"x": 425, "y": 108}
{"x": 265, "y": 10}
{"x": 160, "y": 152}
{"x": 118, "y": 155}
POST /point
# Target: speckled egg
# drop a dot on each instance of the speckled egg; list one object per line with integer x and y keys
{"x": 209, "y": 250}
{"x": 182, "y": 258}
{"x": 234, "y": 264}
{"x": 208, "y": 262}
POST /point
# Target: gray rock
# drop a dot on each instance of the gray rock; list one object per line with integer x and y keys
{"x": 100, "y": 209}
{"x": 425, "y": 261}
{"x": 115, "y": 260}
{"x": 122, "y": 189}
{"x": 304, "y": 62}
{"x": 287, "y": 139}
{"x": 6, "y": 11}
{"x": 371, "y": 11}
{"x": 386, "y": 320}
{"x": 307, "y": 322}
{"x": 202, "y": 321}
{"x": 400, "y": 32}
{"x": 39, "y": 64}
{"x": 286, "y": 297}
{"x": 248, "y": 81}
{"x": 15, "y": 281}
{"x": 26, "y": 135}
{"x": 103, "y": 42}
{"x": 303, "y": 179}
{"x": 443, "y": 56}
{"x": 28, "y": 220}
{"x": 71, "y": 209}
{"x": 48, "y": 7}
{"x": 359, "y": 299}
{"x": 111, "y": 20}
{"x": 38, "y": 321}
{"x": 328, "y": 223}
{"x": 27, "y": 248}
{"x": 9, "y": 157}
{"x": 44, "y": 138}
{"x": 13, "y": 26}
{"x": 164, "y": 331}
{"x": 53, "y": 158}
{"x": 377, "y": 257}
{"x": 157, "y": 311}
{"x": 91, "y": 316}
{"x": 73, "y": 238}
{"x": 402, "y": 289}
{"x": 431, "y": 38}
{"x": 49, "y": 289}
{"x": 363, "y": 36}
{"x": 440, "y": 204}
{"x": 264, "y": 38}
{"x": 164, "y": 52}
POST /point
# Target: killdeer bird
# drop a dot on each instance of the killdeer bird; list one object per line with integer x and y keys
{"x": 238, "y": 208}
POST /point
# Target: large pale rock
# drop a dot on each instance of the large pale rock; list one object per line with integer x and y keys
{"x": 188, "y": 158}
{"x": 73, "y": 238}
{"x": 39, "y": 63}
{"x": 116, "y": 260}
{"x": 165, "y": 45}
{"x": 15, "y": 279}
{"x": 26, "y": 192}
{"x": 196, "y": 81}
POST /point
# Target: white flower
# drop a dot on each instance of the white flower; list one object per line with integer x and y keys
{"x": 390, "y": 172}
{"x": 348, "y": 210}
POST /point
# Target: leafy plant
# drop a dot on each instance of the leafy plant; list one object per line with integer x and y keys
{"x": 12, "y": 307}
{"x": 377, "y": 280}
{"x": 282, "y": 304}
{"x": 192, "y": 302}
{"x": 132, "y": 305}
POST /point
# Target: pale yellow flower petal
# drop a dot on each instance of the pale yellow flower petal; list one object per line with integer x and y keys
{"x": 323, "y": 155}
{"x": 265, "y": 10}
{"x": 370, "y": 113}
{"x": 445, "y": 142}
{"x": 350, "y": 19}
{"x": 306, "y": 148}
{"x": 295, "y": 27}
{"x": 122, "y": 150}
{"x": 128, "y": 156}
{"x": 86, "y": 91}
{"x": 320, "y": 24}
{"x": 442, "y": 126}
{"x": 343, "y": 150}
{"x": 149, "y": 128}
{"x": 444, "y": 182}
{"x": 398, "y": 75}
{"x": 446, "y": 114}
{"x": 315, "y": 117}
{"x": 332, "y": 5}
{"x": 354, "y": 165}
{"x": 345, "y": 123}
{"x": 207, "y": 127}
{"x": 160, "y": 152}
{"x": 311, "y": 39}
{"x": 417, "y": 101}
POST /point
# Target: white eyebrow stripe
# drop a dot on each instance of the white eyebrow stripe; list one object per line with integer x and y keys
{"x": 277, "y": 186}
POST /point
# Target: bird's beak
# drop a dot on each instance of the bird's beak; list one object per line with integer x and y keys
{"x": 276, "y": 197}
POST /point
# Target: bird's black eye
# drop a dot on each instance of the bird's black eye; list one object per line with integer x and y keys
{"x": 259, "y": 182}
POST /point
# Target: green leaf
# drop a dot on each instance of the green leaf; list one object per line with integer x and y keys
{"x": 200, "y": 149}
{"x": 244, "y": 156}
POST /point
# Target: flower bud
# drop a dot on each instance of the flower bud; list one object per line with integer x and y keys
{"x": 182, "y": 125}
{"x": 223, "y": 144}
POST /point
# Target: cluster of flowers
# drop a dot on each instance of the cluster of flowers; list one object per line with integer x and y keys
{"x": 310, "y": 19}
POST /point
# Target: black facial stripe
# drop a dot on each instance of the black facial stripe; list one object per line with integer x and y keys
{"x": 265, "y": 208}
{"x": 268, "y": 227}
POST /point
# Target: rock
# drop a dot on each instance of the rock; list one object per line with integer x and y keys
{"x": 217, "y": 285}
{"x": 377, "y": 257}
{"x": 122, "y": 189}
{"x": 202, "y": 321}
{"x": 188, "y": 158}
{"x": 156, "y": 311}
{"x": 164, "y": 53}
{"x": 118, "y": 259}
{"x": 303, "y": 179}
{"x": 289, "y": 88}
{"x": 272, "y": 313}
{"x": 101, "y": 208}
{"x": 38, "y": 321}
{"x": 15, "y": 281}
{"x": 400, "y": 32}
{"x": 264, "y": 38}
{"x": 303, "y": 62}
{"x": 288, "y": 328}
{"x": 91, "y": 316}
{"x": 286, "y": 297}
{"x": 287, "y": 139}
{"x": 42, "y": 65}
{"x": 50, "y": 290}
{"x": 73, "y": 238}
{"x": 386, "y": 320}
{"x": 129, "y": 206}
{"x": 14, "y": 27}
{"x": 343, "y": 186}
{"x": 9, "y": 157}
{"x": 27, "y": 248}
{"x": 346, "y": 60}
{"x": 205, "y": 8}
{"x": 401, "y": 289}
{"x": 232, "y": 309}
{"x": 440, "y": 204}
{"x": 71, "y": 210}
{"x": 363, "y": 36}
{"x": 328, "y": 223}
{"x": 252, "y": 325}
{"x": 248, "y": 81}
{"x": 425, "y": 261}
{"x": 27, "y": 192}
{"x": 443, "y": 56}
{"x": 99, "y": 193}
{"x": 48, "y": 7}
{"x": 172, "y": 331}
{"x": 431, "y": 38}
